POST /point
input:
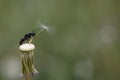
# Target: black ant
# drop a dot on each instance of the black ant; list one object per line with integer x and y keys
{"x": 27, "y": 37}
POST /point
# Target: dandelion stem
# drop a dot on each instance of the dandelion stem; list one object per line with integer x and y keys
{"x": 26, "y": 69}
{"x": 27, "y": 75}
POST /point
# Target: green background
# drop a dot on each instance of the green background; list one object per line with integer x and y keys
{"x": 85, "y": 44}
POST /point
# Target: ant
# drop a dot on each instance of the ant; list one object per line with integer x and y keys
{"x": 27, "y": 37}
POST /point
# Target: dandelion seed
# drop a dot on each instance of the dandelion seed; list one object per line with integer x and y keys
{"x": 47, "y": 28}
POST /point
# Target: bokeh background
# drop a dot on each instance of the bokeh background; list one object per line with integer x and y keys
{"x": 85, "y": 45}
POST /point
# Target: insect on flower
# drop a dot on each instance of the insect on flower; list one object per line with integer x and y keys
{"x": 27, "y": 37}
{"x": 27, "y": 50}
{"x": 41, "y": 27}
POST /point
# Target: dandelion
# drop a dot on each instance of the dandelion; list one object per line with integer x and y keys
{"x": 27, "y": 50}
{"x": 27, "y": 53}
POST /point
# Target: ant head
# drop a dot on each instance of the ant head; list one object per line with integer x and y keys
{"x": 32, "y": 33}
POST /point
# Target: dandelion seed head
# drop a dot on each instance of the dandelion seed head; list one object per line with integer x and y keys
{"x": 27, "y": 47}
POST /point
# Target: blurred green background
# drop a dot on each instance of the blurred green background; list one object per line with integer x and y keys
{"x": 85, "y": 45}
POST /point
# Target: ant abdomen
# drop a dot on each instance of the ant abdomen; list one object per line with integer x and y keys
{"x": 21, "y": 41}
